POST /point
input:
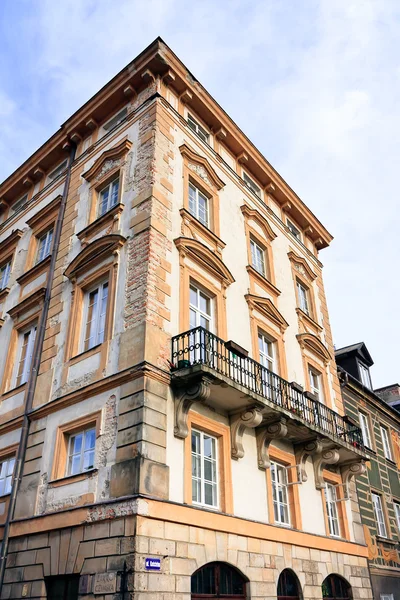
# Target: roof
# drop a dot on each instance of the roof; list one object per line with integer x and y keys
{"x": 360, "y": 349}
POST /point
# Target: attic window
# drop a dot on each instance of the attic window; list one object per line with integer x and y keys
{"x": 116, "y": 119}
{"x": 293, "y": 229}
{"x": 365, "y": 377}
{"x": 19, "y": 204}
{"x": 58, "y": 170}
{"x": 197, "y": 128}
{"x": 251, "y": 184}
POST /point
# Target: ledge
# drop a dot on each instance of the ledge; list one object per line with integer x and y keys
{"x": 27, "y": 303}
{"x": 85, "y": 354}
{"x": 263, "y": 281}
{"x": 54, "y": 483}
{"x": 309, "y": 320}
{"x": 12, "y": 392}
{"x": 208, "y": 233}
{"x": 96, "y": 225}
{"x": 34, "y": 271}
{"x": 4, "y": 293}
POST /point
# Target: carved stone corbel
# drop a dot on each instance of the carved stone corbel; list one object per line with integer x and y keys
{"x": 265, "y": 435}
{"x": 309, "y": 449}
{"x": 326, "y": 457}
{"x": 348, "y": 472}
{"x": 195, "y": 392}
{"x": 251, "y": 418}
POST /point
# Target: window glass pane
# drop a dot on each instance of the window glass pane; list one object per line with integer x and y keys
{"x": 114, "y": 192}
{"x": 5, "y": 271}
{"x": 90, "y": 439}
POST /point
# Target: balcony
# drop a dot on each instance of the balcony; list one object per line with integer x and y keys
{"x": 208, "y": 369}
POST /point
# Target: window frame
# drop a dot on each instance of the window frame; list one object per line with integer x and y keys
{"x": 305, "y": 306}
{"x": 193, "y": 285}
{"x": 367, "y": 439}
{"x": 312, "y": 374}
{"x": 106, "y": 127}
{"x": 49, "y": 232}
{"x": 261, "y": 252}
{"x": 98, "y": 286}
{"x": 276, "y": 487}
{"x": 57, "y": 171}
{"x": 5, "y": 459}
{"x": 222, "y": 433}
{"x": 18, "y": 379}
{"x": 199, "y": 192}
{"x": 70, "y": 454}
{"x": 285, "y": 459}
{"x": 5, "y": 267}
{"x": 385, "y": 437}
{"x": 215, "y": 484}
{"x": 108, "y": 186}
{"x": 291, "y": 225}
{"x": 335, "y": 480}
{"x": 331, "y": 509}
{"x": 396, "y": 508}
{"x": 202, "y": 133}
{"x": 380, "y": 509}
{"x": 365, "y": 375}
{"x": 251, "y": 185}
{"x": 272, "y": 358}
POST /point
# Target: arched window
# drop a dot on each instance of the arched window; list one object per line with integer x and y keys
{"x": 218, "y": 580}
{"x": 288, "y": 586}
{"x": 335, "y": 587}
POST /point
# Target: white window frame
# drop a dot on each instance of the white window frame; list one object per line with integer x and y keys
{"x": 365, "y": 430}
{"x": 257, "y": 257}
{"x": 386, "y": 442}
{"x": 196, "y": 310}
{"x": 115, "y": 120}
{"x": 267, "y": 359}
{"x": 397, "y": 513}
{"x": 6, "y": 475}
{"x": 302, "y": 296}
{"x": 295, "y": 231}
{"x": 379, "y": 514}
{"x": 44, "y": 245}
{"x": 331, "y": 509}
{"x": 195, "y": 211}
{"x": 201, "y": 478}
{"x": 200, "y": 131}
{"x": 280, "y": 494}
{"x": 110, "y": 188}
{"x": 5, "y": 272}
{"x": 386, "y": 597}
{"x": 19, "y": 204}
{"x": 365, "y": 376}
{"x": 315, "y": 379}
{"x": 58, "y": 170}
{"x": 99, "y": 287}
{"x": 252, "y": 185}
{"x": 82, "y": 453}
{"x": 27, "y": 361}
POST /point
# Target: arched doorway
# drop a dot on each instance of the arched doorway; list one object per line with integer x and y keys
{"x": 288, "y": 586}
{"x": 335, "y": 587}
{"x": 218, "y": 580}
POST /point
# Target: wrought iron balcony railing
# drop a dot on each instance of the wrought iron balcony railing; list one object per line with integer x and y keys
{"x": 201, "y": 347}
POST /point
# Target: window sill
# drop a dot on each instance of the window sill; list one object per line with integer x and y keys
{"x": 13, "y": 391}
{"x": 4, "y": 497}
{"x": 100, "y": 222}
{"x": 203, "y": 229}
{"x": 309, "y": 319}
{"x": 36, "y": 270}
{"x": 54, "y": 483}
{"x": 4, "y": 293}
{"x": 85, "y": 354}
{"x": 263, "y": 280}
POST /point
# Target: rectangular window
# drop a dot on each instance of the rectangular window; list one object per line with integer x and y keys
{"x": 331, "y": 509}
{"x": 108, "y": 197}
{"x": 58, "y": 170}
{"x": 19, "y": 204}
{"x": 44, "y": 246}
{"x": 379, "y": 516}
{"x": 397, "y": 513}
{"x": 365, "y": 376}
{"x": 6, "y": 475}
{"x": 81, "y": 447}
{"x": 280, "y": 495}
{"x": 26, "y": 342}
{"x": 293, "y": 229}
{"x": 267, "y": 353}
{"x": 387, "y": 597}
{"x": 5, "y": 271}
{"x": 96, "y": 310}
{"x": 198, "y": 204}
{"x": 302, "y": 297}
{"x": 204, "y": 469}
{"x": 199, "y": 309}
{"x": 257, "y": 258}
{"x": 251, "y": 184}
{"x": 315, "y": 383}
{"x": 198, "y": 129}
{"x": 364, "y": 424}
{"x": 116, "y": 119}
{"x": 386, "y": 444}
{"x": 62, "y": 587}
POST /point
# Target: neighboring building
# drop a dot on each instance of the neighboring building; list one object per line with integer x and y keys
{"x": 379, "y": 487}
{"x": 391, "y": 395}
{"x": 152, "y": 473}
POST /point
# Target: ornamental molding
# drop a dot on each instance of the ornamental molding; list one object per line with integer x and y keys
{"x": 198, "y": 391}
{"x": 107, "y": 161}
{"x": 312, "y": 343}
{"x": 349, "y": 471}
{"x": 93, "y": 252}
{"x": 254, "y": 215}
{"x": 267, "y": 308}
{"x": 200, "y": 165}
{"x": 272, "y": 431}
{"x": 250, "y": 418}
{"x": 301, "y": 266}
{"x": 205, "y": 257}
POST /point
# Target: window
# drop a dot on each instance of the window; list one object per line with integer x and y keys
{"x": 251, "y": 184}
{"x": 386, "y": 444}
{"x": 58, "y": 170}
{"x": 26, "y": 342}
{"x": 5, "y": 271}
{"x": 293, "y": 229}
{"x": 116, "y": 119}
{"x": 279, "y": 480}
{"x": 81, "y": 448}
{"x": 217, "y": 580}
{"x": 62, "y": 587}
{"x": 364, "y": 424}
{"x": 315, "y": 383}
{"x": 288, "y": 586}
{"x": 197, "y": 128}
{"x": 6, "y": 475}
{"x": 365, "y": 376}
{"x": 199, "y": 309}
{"x": 96, "y": 310}
{"x": 335, "y": 587}
{"x": 379, "y": 516}
{"x": 198, "y": 204}
{"x": 386, "y": 597}
{"x": 257, "y": 257}
{"x": 204, "y": 469}
{"x": 108, "y": 197}
{"x": 331, "y": 509}
{"x": 397, "y": 513}
{"x": 302, "y": 297}
{"x": 267, "y": 352}
{"x": 44, "y": 246}
{"x": 19, "y": 204}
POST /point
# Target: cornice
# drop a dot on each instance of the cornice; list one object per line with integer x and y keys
{"x": 31, "y": 301}
{"x": 268, "y": 309}
{"x": 302, "y": 264}
{"x": 44, "y": 212}
{"x": 193, "y": 157}
{"x": 113, "y": 153}
{"x": 7, "y": 246}
{"x": 104, "y": 245}
{"x": 314, "y": 345}
{"x": 36, "y": 270}
{"x": 205, "y": 257}
{"x": 250, "y": 213}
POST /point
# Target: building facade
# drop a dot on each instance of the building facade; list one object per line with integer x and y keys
{"x": 379, "y": 486}
{"x": 170, "y": 407}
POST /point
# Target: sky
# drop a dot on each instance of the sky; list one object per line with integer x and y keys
{"x": 315, "y": 84}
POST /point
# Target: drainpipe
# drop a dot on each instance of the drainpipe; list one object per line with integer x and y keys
{"x": 33, "y": 375}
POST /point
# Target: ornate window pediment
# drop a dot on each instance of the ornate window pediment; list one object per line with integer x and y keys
{"x": 253, "y": 215}
{"x": 266, "y": 307}
{"x": 201, "y": 167}
{"x": 205, "y": 258}
{"x": 301, "y": 266}
{"x": 110, "y": 159}
{"x": 314, "y": 345}
{"x": 93, "y": 252}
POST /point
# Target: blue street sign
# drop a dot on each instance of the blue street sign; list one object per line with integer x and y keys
{"x": 152, "y": 564}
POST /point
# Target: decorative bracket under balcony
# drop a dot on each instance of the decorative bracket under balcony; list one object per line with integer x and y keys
{"x": 321, "y": 455}
{"x": 265, "y": 435}
{"x": 197, "y": 391}
{"x": 348, "y": 472}
{"x": 251, "y": 418}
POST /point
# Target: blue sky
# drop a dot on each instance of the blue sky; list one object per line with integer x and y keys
{"x": 314, "y": 84}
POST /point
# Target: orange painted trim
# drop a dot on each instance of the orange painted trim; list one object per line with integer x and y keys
{"x": 286, "y": 459}
{"x": 321, "y": 371}
{"x": 222, "y": 432}
{"x": 336, "y": 479}
{"x": 258, "y": 326}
